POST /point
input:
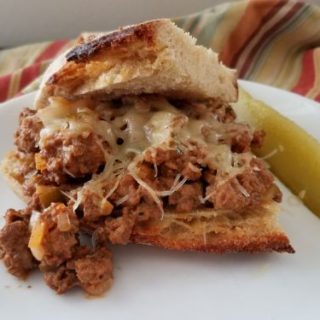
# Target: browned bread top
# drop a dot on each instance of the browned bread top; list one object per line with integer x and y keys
{"x": 151, "y": 57}
{"x": 113, "y": 40}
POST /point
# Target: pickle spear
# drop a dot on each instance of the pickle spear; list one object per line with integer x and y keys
{"x": 293, "y": 155}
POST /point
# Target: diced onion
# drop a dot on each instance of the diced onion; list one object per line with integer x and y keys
{"x": 35, "y": 241}
{"x": 63, "y": 222}
{"x": 174, "y": 188}
{"x": 113, "y": 189}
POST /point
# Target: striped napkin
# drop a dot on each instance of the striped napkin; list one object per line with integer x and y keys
{"x": 275, "y": 42}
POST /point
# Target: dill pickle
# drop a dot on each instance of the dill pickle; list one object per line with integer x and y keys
{"x": 293, "y": 155}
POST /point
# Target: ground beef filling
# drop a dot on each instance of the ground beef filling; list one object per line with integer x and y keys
{"x": 180, "y": 176}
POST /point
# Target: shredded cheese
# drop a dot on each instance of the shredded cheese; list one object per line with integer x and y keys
{"x": 203, "y": 200}
{"x": 273, "y": 152}
{"x": 122, "y": 200}
{"x": 114, "y": 188}
{"x": 175, "y": 187}
{"x": 155, "y": 167}
{"x": 242, "y": 189}
{"x": 133, "y": 172}
{"x": 270, "y": 154}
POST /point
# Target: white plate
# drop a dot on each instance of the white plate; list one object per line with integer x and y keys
{"x": 151, "y": 283}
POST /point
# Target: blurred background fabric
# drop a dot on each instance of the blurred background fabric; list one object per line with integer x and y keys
{"x": 275, "y": 42}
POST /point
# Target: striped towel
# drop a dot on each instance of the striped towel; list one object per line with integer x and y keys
{"x": 275, "y": 42}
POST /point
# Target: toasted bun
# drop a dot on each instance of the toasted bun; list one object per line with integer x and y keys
{"x": 8, "y": 167}
{"x": 210, "y": 231}
{"x": 152, "y": 57}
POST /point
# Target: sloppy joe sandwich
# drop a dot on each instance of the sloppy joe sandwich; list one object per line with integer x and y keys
{"x": 132, "y": 139}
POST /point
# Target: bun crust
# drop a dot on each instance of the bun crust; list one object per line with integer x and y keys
{"x": 151, "y": 57}
{"x": 7, "y": 169}
{"x": 251, "y": 232}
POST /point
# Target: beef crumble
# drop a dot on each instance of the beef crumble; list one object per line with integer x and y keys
{"x": 14, "y": 238}
{"x": 65, "y": 262}
{"x": 71, "y": 155}
{"x": 59, "y": 241}
{"x": 242, "y": 191}
{"x": 61, "y": 279}
{"x": 187, "y": 198}
{"x": 94, "y": 270}
{"x": 89, "y": 269}
{"x": 28, "y": 134}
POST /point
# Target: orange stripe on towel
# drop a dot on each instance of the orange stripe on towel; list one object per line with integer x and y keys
{"x": 257, "y": 12}
{"x": 307, "y": 76}
{"x": 29, "y": 74}
{"x": 51, "y": 51}
{"x": 266, "y": 35}
{"x": 4, "y": 87}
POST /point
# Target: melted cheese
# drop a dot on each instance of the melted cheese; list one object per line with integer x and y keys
{"x": 159, "y": 129}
